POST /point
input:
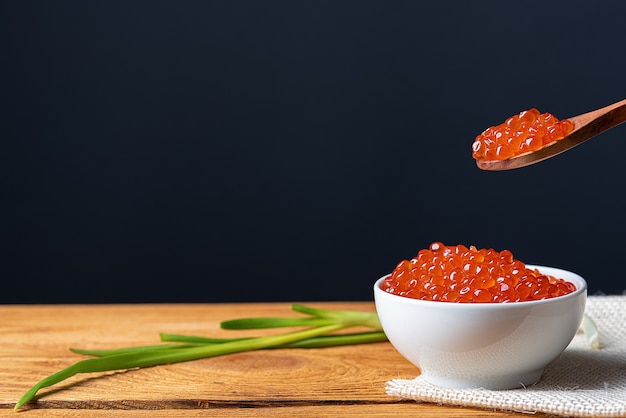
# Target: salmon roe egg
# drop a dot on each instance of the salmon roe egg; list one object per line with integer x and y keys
{"x": 525, "y": 132}
{"x": 461, "y": 274}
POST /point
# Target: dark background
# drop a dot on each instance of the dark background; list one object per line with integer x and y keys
{"x": 218, "y": 151}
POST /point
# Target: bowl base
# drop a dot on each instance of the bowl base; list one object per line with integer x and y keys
{"x": 517, "y": 381}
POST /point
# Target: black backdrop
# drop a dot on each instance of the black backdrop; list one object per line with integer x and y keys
{"x": 218, "y": 151}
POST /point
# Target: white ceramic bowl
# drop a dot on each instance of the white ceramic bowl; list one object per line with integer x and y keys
{"x": 482, "y": 345}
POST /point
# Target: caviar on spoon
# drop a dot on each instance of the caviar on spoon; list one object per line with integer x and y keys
{"x": 531, "y": 137}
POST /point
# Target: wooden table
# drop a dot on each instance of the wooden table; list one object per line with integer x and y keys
{"x": 338, "y": 381}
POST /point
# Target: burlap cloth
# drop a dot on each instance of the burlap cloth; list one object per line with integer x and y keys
{"x": 582, "y": 382}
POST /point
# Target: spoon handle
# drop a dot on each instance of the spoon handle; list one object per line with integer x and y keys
{"x": 600, "y": 120}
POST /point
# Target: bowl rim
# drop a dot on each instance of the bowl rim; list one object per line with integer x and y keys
{"x": 578, "y": 281}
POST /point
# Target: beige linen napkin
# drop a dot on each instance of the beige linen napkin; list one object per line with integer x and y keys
{"x": 582, "y": 382}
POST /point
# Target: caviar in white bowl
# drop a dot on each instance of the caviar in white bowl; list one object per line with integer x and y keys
{"x": 483, "y": 345}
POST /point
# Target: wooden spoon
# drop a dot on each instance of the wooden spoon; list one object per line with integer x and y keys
{"x": 586, "y": 126}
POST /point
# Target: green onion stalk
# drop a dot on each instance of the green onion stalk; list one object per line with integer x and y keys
{"x": 321, "y": 325}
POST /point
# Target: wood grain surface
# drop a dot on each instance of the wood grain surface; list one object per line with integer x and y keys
{"x": 337, "y": 381}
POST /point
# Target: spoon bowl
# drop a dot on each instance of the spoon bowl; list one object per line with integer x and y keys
{"x": 586, "y": 126}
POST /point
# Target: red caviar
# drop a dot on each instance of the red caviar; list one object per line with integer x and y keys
{"x": 527, "y": 131}
{"x": 461, "y": 274}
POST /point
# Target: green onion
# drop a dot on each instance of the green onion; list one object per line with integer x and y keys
{"x": 315, "y": 342}
{"x": 321, "y": 326}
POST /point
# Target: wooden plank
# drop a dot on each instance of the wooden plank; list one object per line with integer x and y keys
{"x": 34, "y": 342}
{"x": 370, "y": 410}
